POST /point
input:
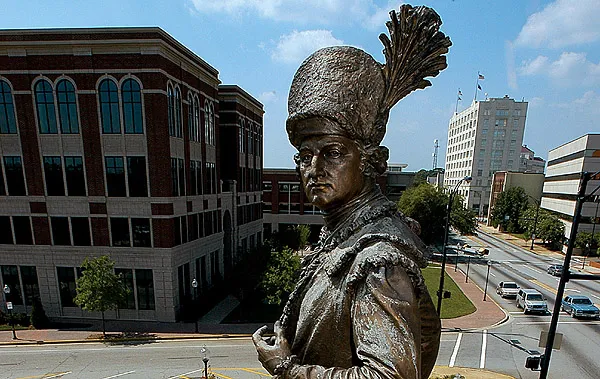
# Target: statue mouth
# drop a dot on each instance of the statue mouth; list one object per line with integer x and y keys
{"x": 318, "y": 186}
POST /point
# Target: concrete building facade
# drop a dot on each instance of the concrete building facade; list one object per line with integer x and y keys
{"x": 563, "y": 174}
{"x": 532, "y": 183}
{"x": 111, "y": 143}
{"x": 483, "y": 139}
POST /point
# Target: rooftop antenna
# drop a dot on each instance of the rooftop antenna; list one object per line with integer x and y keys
{"x": 436, "y": 146}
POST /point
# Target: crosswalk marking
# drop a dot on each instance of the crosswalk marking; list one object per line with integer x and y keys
{"x": 483, "y": 348}
{"x": 455, "y": 352}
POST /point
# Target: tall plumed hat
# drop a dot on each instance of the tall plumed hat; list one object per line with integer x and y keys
{"x": 348, "y": 86}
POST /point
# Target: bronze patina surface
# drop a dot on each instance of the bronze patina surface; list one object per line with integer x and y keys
{"x": 360, "y": 308}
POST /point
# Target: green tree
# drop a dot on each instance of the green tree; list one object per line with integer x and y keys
{"x": 509, "y": 208}
{"x": 281, "y": 275}
{"x": 293, "y": 236}
{"x": 99, "y": 289}
{"x": 427, "y": 205}
{"x": 550, "y": 229}
{"x": 422, "y": 175}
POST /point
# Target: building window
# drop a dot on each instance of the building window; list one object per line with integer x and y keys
{"x": 81, "y": 231}
{"x": 22, "y": 227}
{"x": 66, "y": 285}
{"x": 109, "y": 107}
{"x": 171, "y": 110}
{"x": 132, "y": 107}
{"x": 193, "y": 117}
{"x": 211, "y": 176}
{"x": 140, "y": 228}
{"x": 145, "y": 289}
{"x": 136, "y": 176}
{"x": 31, "y": 287}
{"x": 44, "y": 99}
{"x": 61, "y": 235}
{"x": 74, "y": 175}
{"x": 115, "y": 176}
{"x": 67, "y": 107}
{"x": 10, "y": 277}
{"x": 126, "y": 277}
{"x": 15, "y": 182}
{"x": 8, "y": 123}
{"x": 6, "y": 235}
{"x": 174, "y": 182}
{"x": 178, "y": 123}
{"x": 54, "y": 176}
{"x": 181, "y": 176}
{"x": 209, "y": 123}
{"x": 119, "y": 231}
{"x": 193, "y": 187}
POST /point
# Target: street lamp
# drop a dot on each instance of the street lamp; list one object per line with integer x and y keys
{"x": 535, "y": 220}
{"x": 195, "y": 312}
{"x": 6, "y": 291}
{"x": 205, "y": 358}
{"x": 489, "y": 264}
{"x": 446, "y": 232}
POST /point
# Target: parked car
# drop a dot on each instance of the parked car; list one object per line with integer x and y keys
{"x": 555, "y": 270}
{"x": 483, "y": 251}
{"x": 531, "y": 301}
{"x": 580, "y": 306}
{"x": 507, "y": 289}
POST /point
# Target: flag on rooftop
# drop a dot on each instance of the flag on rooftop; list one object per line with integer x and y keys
{"x": 481, "y": 77}
{"x": 479, "y": 87}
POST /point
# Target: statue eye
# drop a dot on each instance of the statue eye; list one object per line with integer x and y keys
{"x": 334, "y": 153}
{"x": 305, "y": 159}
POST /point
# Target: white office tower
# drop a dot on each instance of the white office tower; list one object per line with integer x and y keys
{"x": 482, "y": 139}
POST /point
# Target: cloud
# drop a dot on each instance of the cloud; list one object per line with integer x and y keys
{"x": 510, "y": 65}
{"x": 268, "y": 97}
{"x": 294, "y": 47}
{"x": 365, "y": 12}
{"x": 588, "y": 103}
{"x": 569, "y": 69}
{"x": 562, "y": 23}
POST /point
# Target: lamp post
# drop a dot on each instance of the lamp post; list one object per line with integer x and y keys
{"x": 205, "y": 358}
{"x": 6, "y": 291}
{"x": 444, "y": 249}
{"x": 537, "y": 212}
{"x": 489, "y": 264}
{"x": 195, "y": 312}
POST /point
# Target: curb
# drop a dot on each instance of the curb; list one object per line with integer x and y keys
{"x": 121, "y": 340}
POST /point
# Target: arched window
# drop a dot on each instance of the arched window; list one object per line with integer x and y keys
{"x": 44, "y": 99}
{"x": 250, "y": 137}
{"x": 241, "y": 136}
{"x": 178, "y": 125}
{"x": 67, "y": 107}
{"x": 171, "y": 109}
{"x": 209, "y": 123}
{"x": 109, "y": 107}
{"x": 191, "y": 116}
{"x": 132, "y": 107}
{"x": 196, "y": 118}
{"x": 8, "y": 124}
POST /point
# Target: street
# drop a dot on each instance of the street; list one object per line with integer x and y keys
{"x": 502, "y": 349}
{"x": 505, "y": 348}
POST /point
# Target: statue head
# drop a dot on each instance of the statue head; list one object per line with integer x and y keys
{"x": 343, "y": 92}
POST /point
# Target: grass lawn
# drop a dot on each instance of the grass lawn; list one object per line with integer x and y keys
{"x": 8, "y": 327}
{"x": 458, "y": 304}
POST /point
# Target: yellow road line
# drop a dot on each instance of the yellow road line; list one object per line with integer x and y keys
{"x": 221, "y": 375}
{"x": 46, "y": 376}
{"x": 184, "y": 377}
{"x": 543, "y": 285}
{"x": 256, "y": 372}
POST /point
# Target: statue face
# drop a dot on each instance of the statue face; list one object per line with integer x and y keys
{"x": 331, "y": 171}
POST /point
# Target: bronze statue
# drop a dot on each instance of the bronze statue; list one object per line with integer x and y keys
{"x": 360, "y": 308}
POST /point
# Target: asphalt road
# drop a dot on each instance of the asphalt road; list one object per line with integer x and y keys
{"x": 505, "y": 348}
{"x": 229, "y": 358}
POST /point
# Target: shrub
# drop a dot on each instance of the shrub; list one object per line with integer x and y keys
{"x": 38, "y": 318}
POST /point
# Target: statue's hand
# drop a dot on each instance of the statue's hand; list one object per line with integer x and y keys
{"x": 273, "y": 351}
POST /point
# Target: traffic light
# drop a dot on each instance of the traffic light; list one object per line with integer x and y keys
{"x": 533, "y": 362}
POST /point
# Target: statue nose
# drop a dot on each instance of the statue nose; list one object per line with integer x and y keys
{"x": 317, "y": 166}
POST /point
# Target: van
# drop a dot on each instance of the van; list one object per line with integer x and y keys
{"x": 531, "y": 301}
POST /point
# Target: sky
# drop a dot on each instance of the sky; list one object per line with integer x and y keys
{"x": 545, "y": 52}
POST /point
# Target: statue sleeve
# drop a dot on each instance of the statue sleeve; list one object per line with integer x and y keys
{"x": 386, "y": 331}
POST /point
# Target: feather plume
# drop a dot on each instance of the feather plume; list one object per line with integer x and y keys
{"x": 414, "y": 50}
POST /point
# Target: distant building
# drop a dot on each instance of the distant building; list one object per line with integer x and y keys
{"x": 566, "y": 163}
{"x": 483, "y": 139}
{"x": 532, "y": 183}
{"x": 121, "y": 141}
{"x": 528, "y": 162}
{"x": 396, "y": 181}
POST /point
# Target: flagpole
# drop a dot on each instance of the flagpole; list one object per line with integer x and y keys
{"x": 476, "y": 87}
{"x": 457, "y": 99}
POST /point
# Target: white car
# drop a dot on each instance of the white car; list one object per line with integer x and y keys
{"x": 507, "y": 289}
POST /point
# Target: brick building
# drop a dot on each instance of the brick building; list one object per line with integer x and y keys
{"x": 111, "y": 142}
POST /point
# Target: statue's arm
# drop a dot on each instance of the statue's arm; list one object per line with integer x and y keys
{"x": 386, "y": 331}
